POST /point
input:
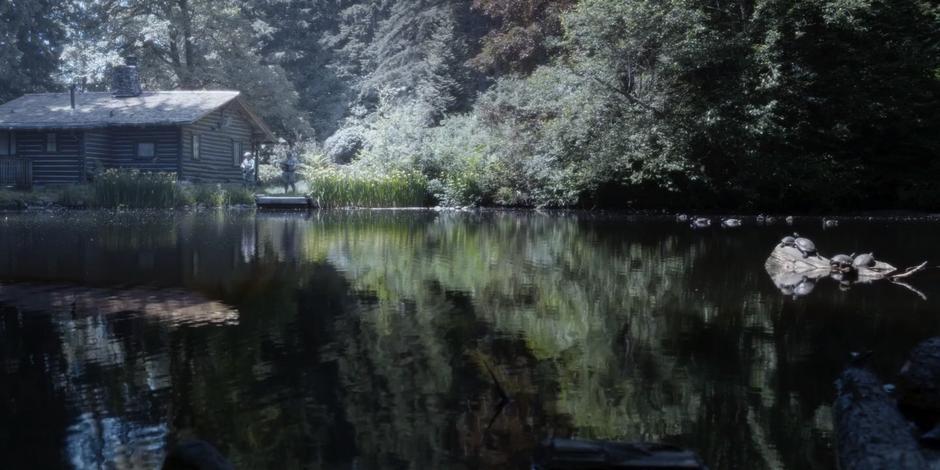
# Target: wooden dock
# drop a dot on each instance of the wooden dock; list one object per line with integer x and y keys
{"x": 284, "y": 202}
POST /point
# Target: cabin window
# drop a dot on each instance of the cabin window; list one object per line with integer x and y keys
{"x": 237, "y": 149}
{"x": 195, "y": 146}
{"x": 51, "y": 142}
{"x": 6, "y": 143}
{"x": 146, "y": 150}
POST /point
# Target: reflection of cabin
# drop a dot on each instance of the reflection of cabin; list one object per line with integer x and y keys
{"x": 199, "y": 135}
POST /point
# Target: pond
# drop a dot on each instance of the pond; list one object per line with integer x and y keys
{"x": 363, "y": 339}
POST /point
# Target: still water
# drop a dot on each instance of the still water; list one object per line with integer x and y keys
{"x": 362, "y": 339}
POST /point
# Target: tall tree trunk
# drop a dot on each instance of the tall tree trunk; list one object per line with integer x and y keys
{"x": 187, "y": 71}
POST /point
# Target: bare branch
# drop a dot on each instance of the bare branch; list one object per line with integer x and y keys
{"x": 910, "y": 271}
{"x": 910, "y": 288}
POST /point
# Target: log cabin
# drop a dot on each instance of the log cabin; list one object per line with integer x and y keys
{"x": 64, "y": 138}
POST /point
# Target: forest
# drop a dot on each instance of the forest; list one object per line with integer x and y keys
{"x": 815, "y": 105}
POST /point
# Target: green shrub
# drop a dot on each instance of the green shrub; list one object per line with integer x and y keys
{"x": 269, "y": 175}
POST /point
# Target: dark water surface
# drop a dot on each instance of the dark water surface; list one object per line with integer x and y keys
{"x": 361, "y": 339}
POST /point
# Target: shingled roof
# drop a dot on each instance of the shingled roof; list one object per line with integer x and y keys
{"x": 101, "y": 109}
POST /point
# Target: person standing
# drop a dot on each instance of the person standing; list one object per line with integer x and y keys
{"x": 248, "y": 169}
{"x": 289, "y": 168}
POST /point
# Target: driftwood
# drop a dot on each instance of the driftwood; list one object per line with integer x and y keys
{"x": 790, "y": 259}
{"x": 796, "y": 274}
{"x": 910, "y": 271}
{"x": 870, "y": 431}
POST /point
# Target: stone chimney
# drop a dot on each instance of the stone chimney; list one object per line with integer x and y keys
{"x": 125, "y": 79}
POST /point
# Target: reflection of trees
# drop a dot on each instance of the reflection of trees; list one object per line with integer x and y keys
{"x": 364, "y": 335}
{"x": 32, "y": 362}
{"x": 607, "y": 315}
{"x": 621, "y": 331}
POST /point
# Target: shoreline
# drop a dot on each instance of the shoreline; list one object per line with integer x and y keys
{"x": 664, "y": 215}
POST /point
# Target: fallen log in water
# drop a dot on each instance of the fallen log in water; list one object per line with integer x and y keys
{"x": 870, "y": 431}
{"x": 790, "y": 259}
{"x": 795, "y": 273}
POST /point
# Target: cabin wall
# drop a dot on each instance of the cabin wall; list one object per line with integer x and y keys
{"x": 123, "y": 150}
{"x": 97, "y": 150}
{"x": 59, "y": 167}
{"x": 216, "y": 162}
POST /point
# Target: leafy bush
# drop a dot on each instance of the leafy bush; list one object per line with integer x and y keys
{"x": 344, "y": 145}
{"x": 269, "y": 175}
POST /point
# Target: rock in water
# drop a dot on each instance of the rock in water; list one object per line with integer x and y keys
{"x": 919, "y": 379}
{"x": 870, "y": 431}
{"x": 195, "y": 454}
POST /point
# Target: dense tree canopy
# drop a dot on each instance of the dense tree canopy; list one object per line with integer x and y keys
{"x": 741, "y": 103}
{"x": 524, "y": 36}
{"x": 31, "y": 36}
{"x": 189, "y": 44}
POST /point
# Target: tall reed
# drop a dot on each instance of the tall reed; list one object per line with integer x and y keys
{"x": 336, "y": 187}
{"x": 135, "y": 189}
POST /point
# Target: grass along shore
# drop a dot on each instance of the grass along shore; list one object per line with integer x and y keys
{"x": 129, "y": 189}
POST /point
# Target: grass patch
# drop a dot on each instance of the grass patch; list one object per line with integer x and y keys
{"x": 336, "y": 187}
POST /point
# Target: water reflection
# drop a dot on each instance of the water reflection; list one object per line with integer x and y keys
{"x": 362, "y": 339}
{"x": 172, "y": 307}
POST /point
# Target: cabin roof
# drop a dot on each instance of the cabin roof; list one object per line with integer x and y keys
{"x": 101, "y": 109}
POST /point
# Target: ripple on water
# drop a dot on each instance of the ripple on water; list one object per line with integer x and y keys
{"x": 357, "y": 337}
{"x": 112, "y": 442}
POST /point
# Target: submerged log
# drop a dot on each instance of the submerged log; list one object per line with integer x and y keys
{"x": 870, "y": 431}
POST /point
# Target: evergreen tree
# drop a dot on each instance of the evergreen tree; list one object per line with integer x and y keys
{"x": 525, "y": 34}
{"x": 300, "y": 42}
{"x": 31, "y": 36}
{"x": 344, "y": 55}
